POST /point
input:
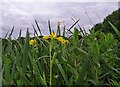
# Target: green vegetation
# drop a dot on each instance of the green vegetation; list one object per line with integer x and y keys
{"x": 90, "y": 60}
{"x": 105, "y": 27}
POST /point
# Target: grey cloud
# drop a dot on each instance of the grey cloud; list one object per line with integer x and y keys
{"x": 22, "y": 15}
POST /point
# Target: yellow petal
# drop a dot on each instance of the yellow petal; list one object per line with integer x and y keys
{"x": 46, "y": 37}
{"x": 53, "y": 35}
{"x": 63, "y": 42}
{"x": 59, "y": 39}
{"x": 32, "y": 42}
{"x": 67, "y": 41}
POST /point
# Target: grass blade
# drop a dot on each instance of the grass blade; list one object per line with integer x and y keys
{"x": 6, "y": 34}
{"x": 64, "y": 31}
{"x": 115, "y": 29}
{"x": 35, "y": 32}
{"x": 23, "y": 77}
{"x": 11, "y": 32}
{"x": 38, "y": 27}
{"x": 49, "y": 27}
{"x": 73, "y": 25}
{"x": 79, "y": 27}
{"x": 61, "y": 70}
{"x": 25, "y": 53}
{"x": 20, "y": 33}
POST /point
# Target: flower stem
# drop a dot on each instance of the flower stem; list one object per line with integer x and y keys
{"x": 51, "y": 43}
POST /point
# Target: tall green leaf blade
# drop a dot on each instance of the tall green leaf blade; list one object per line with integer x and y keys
{"x": 115, "y": 29}
{"x": 64, "y": 31}
{"x": 25, "y": 53}
{"x": 35, "y": 32}
{"x": 73, "y": 25}
{"x": 38, "y": 27}
{"x": 6, "y": 34}
{"x": 79, "y": 27}
{"x": 23, "y": 78}
{"x": 20, "y": 33}
{"x": 7, "y": 71}
{"x": 61, "y": 70}
{"x": 11, "y": 32}
{"x": 50, "y": 30}
{"x": 75, "y": 34}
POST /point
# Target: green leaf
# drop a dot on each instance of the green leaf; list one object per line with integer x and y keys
{"x": 25, "y": 53}
{"x": 1, "y": 77}
{"x": 79, "y": 27}
{"x": 75, "y": 34}
{"x": 24, "y": 79}
{"x": 38, "y": 27}
{"x": 82, "y": 51}
{"x": 35, "y": 32}
{"x": 53, "y": 58}
{"x": 11, "y": 32}
{"x": 115, "y": 29}
{"x": 20, "y": 33}
{"x": 73, "y": 25}
{"x": 6, "y": 34}
{"x": 42, "y": 57}
{"x": 7, "y": 70}
{"x": 61, "y": 70}
{"x": 43, "y": 79}
{"x": 92, "y": 81}
{"x": 64, "y": 31}
{"x": 49, "y": 27}
{"x": 58, "y": 30}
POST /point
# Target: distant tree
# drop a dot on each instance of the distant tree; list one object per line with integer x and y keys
{"x": 105, "y": 27}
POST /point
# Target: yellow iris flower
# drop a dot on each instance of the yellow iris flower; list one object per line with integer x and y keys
{"x": 67, "y": 41}
{"x": 59, "y": 39}
{"x": 63, "y": 41}
{"x": 32, "y": 42}
{"x": 53, "y": 35}
{"x": 46, "y": 37}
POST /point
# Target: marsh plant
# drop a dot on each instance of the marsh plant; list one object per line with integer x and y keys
{"x": 58, "y": 59}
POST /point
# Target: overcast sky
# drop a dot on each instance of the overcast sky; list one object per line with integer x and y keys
{"x": 22, "y": 13}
